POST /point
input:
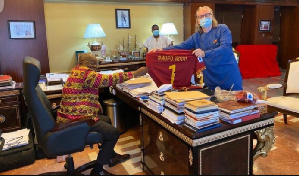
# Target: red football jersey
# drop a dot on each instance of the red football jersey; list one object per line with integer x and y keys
{"x": 173, "y": 67}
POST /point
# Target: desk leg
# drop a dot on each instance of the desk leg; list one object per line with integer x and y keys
{"x": 265, "y": 141}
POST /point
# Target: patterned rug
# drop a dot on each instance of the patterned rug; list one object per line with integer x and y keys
{"x": 126, "y": 145}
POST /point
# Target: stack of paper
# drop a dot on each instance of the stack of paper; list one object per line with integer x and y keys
{"x": 201, "y": 113}
{"x": 156, "y": 101}
{"x": 137, "y": 83}
{"x": 15, "y": 139}
{"x": 175, "y": 101}
{"x": 56, "y": 78}
{"x": 5, "y": 80}
{"x": 235, "y": 112}
{"x": 143, "y": 91}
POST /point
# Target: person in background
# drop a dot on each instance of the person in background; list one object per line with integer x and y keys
{"x": 212, "y": 45}
{"x": 156, "y": 40}
{"x": 80, "y": 100}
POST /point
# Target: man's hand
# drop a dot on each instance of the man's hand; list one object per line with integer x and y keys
{"x": 140, "y": 72}
{"x": 155, "y": 49}
{"x": 199, "y": 53}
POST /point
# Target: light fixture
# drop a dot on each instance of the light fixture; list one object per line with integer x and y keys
{"x": 94, "y": 31}
{"x": 168, "y": 29}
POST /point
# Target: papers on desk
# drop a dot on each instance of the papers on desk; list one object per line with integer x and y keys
{"x": 12, "y": 86}
{"x": 110, "y": 72}
{"x": 15, "y": 139}
{"x": 50, "y": 88}
{"x": 57, "y": 77}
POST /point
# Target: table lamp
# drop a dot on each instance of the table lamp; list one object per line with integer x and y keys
{"x": 94, "y": 31}
{"x": 169, "y": 29}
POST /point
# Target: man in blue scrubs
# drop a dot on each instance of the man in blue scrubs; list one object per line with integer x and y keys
{"x": 212, "y": 44}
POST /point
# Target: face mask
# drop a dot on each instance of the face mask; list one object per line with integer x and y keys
{"x": 156, "y": 32}
{"x": 205, "y": 22}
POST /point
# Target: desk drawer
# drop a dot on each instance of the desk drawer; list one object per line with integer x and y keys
{"x": 163, "y": 152}
{"x": 10, "y": 118}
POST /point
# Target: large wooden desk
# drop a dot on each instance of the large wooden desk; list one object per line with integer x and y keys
{"x": 172, "y": 149}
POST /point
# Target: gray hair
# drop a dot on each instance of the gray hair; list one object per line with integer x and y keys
{"x": 198, "y": 28}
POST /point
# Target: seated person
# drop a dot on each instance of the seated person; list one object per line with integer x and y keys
{"x": 156, "y": 40}
{"x": 80, "y": 100}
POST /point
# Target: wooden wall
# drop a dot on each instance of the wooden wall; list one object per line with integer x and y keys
{"x": 289, "y": 35}
{"x": 189, "y": 12}
{"x": 12, "y": 51}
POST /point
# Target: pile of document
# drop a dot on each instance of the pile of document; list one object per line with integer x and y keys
{"x": 56, "y": 78}
{"x": 138, "y": 87}
{"x": 156, "y": 101}
{"x": 5, "y": 80}
{"x": 174, "y": 104}
{"x": 201, "y": 114}
{"x": 16, "y": 139}
{"x": 235, "y": 112}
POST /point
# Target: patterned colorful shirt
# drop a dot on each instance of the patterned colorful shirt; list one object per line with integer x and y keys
{"x": 81, "y": 91}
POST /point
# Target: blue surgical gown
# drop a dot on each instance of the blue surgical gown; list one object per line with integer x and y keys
{"x": 221, "y": 66}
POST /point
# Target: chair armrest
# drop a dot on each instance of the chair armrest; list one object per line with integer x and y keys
{"x": 61, "y": 126}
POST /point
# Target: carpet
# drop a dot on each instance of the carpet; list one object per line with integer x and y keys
{"x": 125, "y": 145}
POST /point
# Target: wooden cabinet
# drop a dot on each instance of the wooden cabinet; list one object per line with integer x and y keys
{"x": 163, "y": 152}
{"x": 10, "y": 118}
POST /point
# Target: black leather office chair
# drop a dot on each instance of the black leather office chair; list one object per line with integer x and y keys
{"x": 1, "y": 142}
{"x": 55, "y": 140}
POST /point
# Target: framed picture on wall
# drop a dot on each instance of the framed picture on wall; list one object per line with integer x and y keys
{"x": 265, "y": 25}
{"x": 21, "y": 29}
{"x": 122, "y": 18}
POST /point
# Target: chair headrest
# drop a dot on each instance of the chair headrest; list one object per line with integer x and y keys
{"x": 31, "y": 71}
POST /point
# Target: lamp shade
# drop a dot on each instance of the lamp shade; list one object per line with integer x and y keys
{"x": 168, "y": 29}
{"x": 94, "y": 31}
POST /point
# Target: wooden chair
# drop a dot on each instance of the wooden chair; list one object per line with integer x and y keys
{"x": 288, "y": 104}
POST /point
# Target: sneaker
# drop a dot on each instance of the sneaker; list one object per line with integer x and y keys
{"x": 118, "y": 159}
{"x": 103, "y": 172}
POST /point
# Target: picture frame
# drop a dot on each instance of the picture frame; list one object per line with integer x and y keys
{"x": 20, "y": 29}
{"x": 123, "y": 18}
{"x": 265, "y": 25}
{"x": 136, "y": 54}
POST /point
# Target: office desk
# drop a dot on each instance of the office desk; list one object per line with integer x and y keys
{"x": 172, "y": 149}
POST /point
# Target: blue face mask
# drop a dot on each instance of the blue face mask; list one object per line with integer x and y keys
{"x": 205, "y": 22}
{"x": 156, "y": 32}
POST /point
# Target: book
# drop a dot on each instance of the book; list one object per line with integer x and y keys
{"x": 239, "y": 114}
{"x": 196, "y": 104}
{"x": 138, "y": 81}
{"x": 232, "y": 106}
{"x": 5, "y": 78}
{"x": 203, "y": 115}
{"x": 202, "y": 129}
{"x": 241, "y": 119}
{"x": 186, "y": 96}
{"x": 203, "y": 110}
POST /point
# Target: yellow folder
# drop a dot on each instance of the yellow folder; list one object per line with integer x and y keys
{"x": 186, "y": 96}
